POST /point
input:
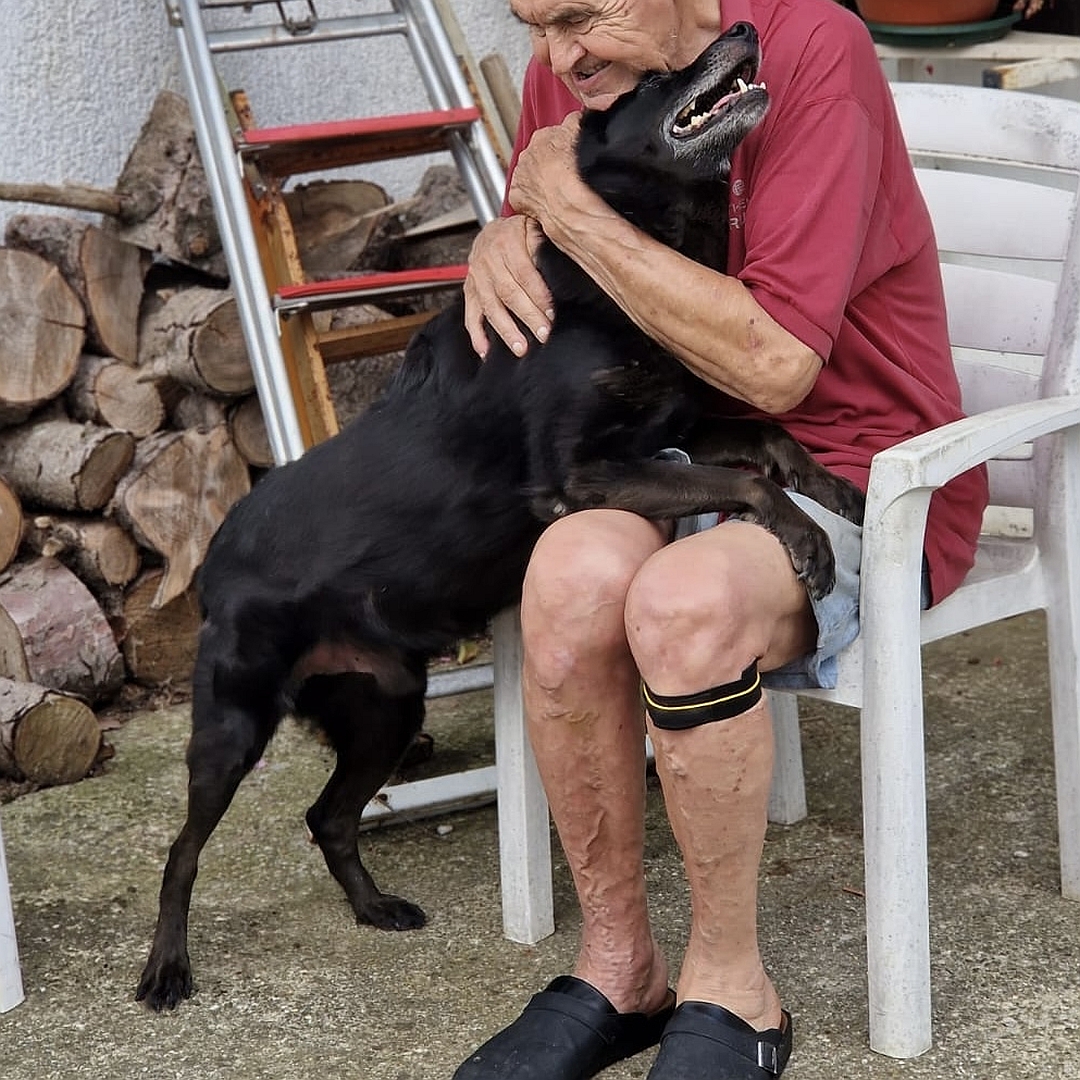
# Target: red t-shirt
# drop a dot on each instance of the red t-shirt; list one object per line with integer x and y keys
{"x": 829, "y": 232}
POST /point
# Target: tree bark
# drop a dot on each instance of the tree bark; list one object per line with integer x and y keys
{"x": 159, "y": 642}
{"x": 105, "y": 272}
{"x": 53, "y": 632}
{"x": 11, "y": 524}
{"x": 195, "y": 338}
{"x": 191, "y": 409}
{"x": 63, "y": 465}
{"x": 113, "y": 394}
{"x": 45, "y": 736}
{"x": 100, "y": 552}
{"x": 176, "y": 494}
{"x": 164, "y": 197}
{"x": 43, "y": 329}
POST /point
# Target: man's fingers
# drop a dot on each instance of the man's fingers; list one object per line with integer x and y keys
{"x": 504, "y": 292}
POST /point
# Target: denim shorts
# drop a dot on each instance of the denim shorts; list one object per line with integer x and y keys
{"x": 837, "y": 613}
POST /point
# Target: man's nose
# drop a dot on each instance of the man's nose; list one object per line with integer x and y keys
{"x": 564, "y": 51}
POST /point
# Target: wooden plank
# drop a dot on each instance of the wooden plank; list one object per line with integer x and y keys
{"x": 1016, "y": 45}
{"x": 1037, "y": 71}
{"x": 372, "y": 339}
{"x": 281, "y": 265}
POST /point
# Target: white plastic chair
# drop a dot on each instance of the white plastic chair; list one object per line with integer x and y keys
{"x": 11, "y": 990}
{"x": 1000, "y": 172}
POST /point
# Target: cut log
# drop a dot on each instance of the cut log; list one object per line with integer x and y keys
{"x": 101, "y": 553}
{"x": 11, "y": 523}
{"x": 194, "y": 410}
{"x": 113, "y": 394}
{"x": 45, "y": 736}
{"x": 332, "y": 220}
{"x": 158, "y": 642}
{"x": 176, "y": 494}
{"x": 105, "y": 272}
{"x": 65, "y": 466}
{"x": 53, "y": 632}
{"x": 42, "y": 330}
{"x": 248, "y": 430}
{"x": 164, "y": 196}
{"x": 195, "y": 338}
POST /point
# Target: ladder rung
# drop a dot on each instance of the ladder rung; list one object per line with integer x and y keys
{"x": 366, "y": 288}
{"x": 305, "y": 148}
{"x": 371, "y": 339}
{"x": 239, "y": 38}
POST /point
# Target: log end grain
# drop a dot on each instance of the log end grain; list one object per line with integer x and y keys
{"x": 107, "y": 462}
{"x": 42, "y": 330}
{"x": 57, "y": 742}
{"x": 159, "y": 643}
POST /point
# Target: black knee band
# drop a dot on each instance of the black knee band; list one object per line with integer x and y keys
{"x": 681, "y": 711}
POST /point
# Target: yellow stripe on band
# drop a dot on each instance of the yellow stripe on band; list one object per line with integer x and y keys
{"x": 717, "y": 703}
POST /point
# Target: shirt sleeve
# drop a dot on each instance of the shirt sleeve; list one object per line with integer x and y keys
{"x": 814, "y": 191}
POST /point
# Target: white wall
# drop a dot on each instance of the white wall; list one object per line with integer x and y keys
{"x": 78, "y": 77}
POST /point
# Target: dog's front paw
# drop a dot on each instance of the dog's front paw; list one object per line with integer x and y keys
{"x": 388, "y": 912}
{"x": 814, "y": 562}
{"x": 165, "y": 983}
{"x": 837, "y": 494}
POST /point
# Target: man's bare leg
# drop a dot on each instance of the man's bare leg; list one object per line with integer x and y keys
{"x": 583, "y": 700}
{"x": 698, "y": 614}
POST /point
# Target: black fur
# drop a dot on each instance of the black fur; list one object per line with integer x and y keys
{"x": 329, "y": 587}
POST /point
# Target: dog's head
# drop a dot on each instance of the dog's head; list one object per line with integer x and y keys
{"x": 674, "y": 130}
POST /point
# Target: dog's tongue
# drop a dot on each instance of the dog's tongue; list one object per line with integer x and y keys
{"x": 743, "y": 87}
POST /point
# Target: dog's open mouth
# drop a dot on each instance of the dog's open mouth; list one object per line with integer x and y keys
{"x": 709, "y": 105}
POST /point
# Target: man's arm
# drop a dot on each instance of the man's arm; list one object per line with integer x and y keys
{"x": 708, "y": 320}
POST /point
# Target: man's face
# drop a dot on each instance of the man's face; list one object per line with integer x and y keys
{"x": 600, "y": 48}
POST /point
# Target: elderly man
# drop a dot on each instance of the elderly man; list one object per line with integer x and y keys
{"x": 830, "y": 320}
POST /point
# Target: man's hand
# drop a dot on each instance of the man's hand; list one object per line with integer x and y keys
{"x": 503, "y": 282}
{"x": 546, "y": 181}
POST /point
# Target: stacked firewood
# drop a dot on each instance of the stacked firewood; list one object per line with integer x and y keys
{"x": 128, "y": 427}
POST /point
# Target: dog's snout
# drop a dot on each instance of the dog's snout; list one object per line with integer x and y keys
{"x": 743, "y": 30}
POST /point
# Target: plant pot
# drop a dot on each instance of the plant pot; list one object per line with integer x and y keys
{"x": 926, "y": 12}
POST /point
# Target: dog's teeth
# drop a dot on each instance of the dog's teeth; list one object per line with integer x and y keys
{"x": 741, "y": 85}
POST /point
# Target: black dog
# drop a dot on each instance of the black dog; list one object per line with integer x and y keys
{"x": 329, "y": 587}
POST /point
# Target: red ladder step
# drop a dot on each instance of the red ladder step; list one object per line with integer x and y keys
{"x": 306, "y": 148}
{"x": 366, "y": 288}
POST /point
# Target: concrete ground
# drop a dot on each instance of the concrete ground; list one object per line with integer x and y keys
{"x": 289, "y": 988}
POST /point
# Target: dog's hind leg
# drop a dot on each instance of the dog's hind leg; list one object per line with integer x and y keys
{"x": 370, "y": 731}
{"x": 227, "y": 739}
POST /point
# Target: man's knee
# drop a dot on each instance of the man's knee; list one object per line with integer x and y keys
{"x": 575, "y": 587}
{"x": 681, "y": 612}
{"x": 584, "y": 561}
